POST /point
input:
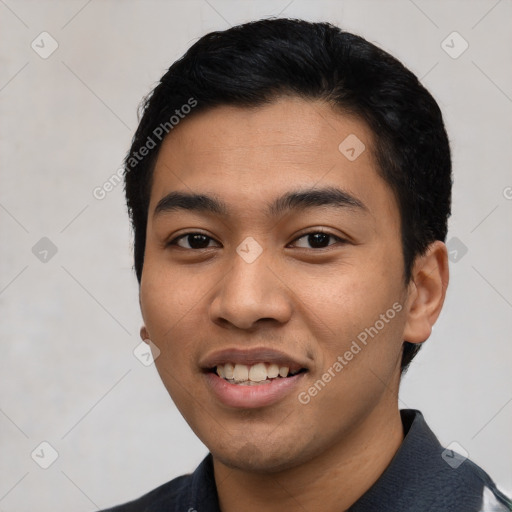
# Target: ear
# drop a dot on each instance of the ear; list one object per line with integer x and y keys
{"x": 144, "y": 335}
{"x": 426, "y": 292}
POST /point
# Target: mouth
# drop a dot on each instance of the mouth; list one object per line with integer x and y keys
{"x": 252, "y": 378}
{"x": 261, "y": 373}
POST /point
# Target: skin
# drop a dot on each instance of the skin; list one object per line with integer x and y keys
{"x": 310, "y": 302}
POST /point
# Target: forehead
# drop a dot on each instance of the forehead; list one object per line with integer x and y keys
{"x": 289, "y": 126}
{"x": 253, "y": 154}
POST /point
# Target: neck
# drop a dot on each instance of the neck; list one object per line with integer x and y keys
{"x": 335, "y": 478}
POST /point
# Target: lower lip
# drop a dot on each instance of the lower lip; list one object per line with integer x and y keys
{"x": 248, "y": 397}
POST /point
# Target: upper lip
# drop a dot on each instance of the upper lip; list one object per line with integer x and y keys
{"x": 250, "y": 357}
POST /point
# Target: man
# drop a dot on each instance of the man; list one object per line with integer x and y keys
{"x": 289, "y": 187}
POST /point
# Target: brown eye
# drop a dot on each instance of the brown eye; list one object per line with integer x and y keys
{"x": 192, "y": 241}
{"x": 317, "y": 240}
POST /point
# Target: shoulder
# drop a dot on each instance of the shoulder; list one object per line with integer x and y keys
{"x": 186, "y": 493}
{"x": 426, "y": 477}
{"x": 450, "y": 480}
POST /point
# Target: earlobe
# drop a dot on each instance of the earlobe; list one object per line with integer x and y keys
{"x": 427, "y": 291}
{"x": 144, "y": 335}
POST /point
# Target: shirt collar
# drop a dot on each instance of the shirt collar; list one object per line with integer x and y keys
{"x": 414, "y": 480}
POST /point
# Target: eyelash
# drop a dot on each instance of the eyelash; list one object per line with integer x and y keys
{"x": 174, "y": 241}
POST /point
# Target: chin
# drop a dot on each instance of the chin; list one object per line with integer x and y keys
{"x": 260, "y": 457}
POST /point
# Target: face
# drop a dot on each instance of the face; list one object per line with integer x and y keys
{"x": 270, "y": 245}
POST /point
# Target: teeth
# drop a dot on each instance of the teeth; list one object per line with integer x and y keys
{"x": 259, "y": 372}
{"x": 241, "y": 372}
{"x": 273, "y": 371}
{"x": 228, "y": 370}
{"x": 251, "y": 383}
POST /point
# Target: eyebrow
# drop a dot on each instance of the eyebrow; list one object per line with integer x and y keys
{"x": 294, "y": 200}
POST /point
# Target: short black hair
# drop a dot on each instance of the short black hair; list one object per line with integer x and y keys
{"x": 257, "y": 62}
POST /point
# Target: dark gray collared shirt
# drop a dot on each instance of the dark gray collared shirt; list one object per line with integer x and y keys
{"x": 422, "y": 477}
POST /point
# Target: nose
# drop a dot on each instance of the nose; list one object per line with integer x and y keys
{"x": 251, "y": 294}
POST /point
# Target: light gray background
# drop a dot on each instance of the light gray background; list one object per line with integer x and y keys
{"x": 69, "y": 326}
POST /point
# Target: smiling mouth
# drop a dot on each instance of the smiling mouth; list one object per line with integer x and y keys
{"x": 253, "y": 375}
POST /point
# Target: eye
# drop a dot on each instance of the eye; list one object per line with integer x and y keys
{"x": 193, "y": 241}
{"x": 317, "y": 240}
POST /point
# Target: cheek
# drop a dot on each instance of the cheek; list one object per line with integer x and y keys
{"x": 170, "y": 305}
{"x": 167, "y": 295}
{"x": 350, "y": 298}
